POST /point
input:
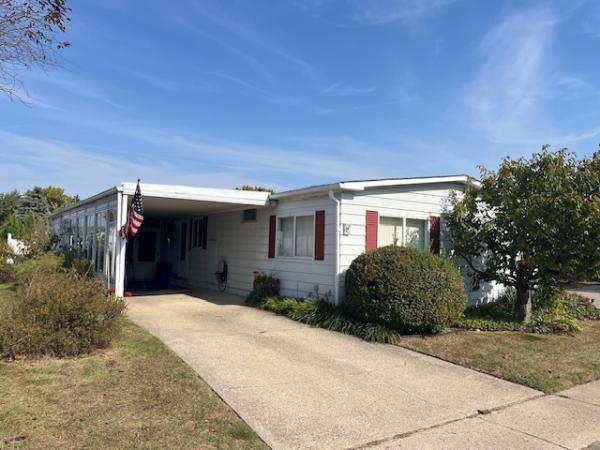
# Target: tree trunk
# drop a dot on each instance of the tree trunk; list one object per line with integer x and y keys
{"x": 524, "y": 303}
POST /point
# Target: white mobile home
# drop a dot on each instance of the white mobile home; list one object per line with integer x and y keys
{"x": 306, "y": 237}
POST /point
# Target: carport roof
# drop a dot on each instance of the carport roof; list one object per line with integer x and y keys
{"x": 173, "y": 199}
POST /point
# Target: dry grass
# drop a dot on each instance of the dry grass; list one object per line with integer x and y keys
{"x": 137, "y": 394}
{"x": 549, "y": 363}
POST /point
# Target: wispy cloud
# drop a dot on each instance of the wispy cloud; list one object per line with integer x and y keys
{"x": 506, "y": 93}
{"x": 380, "y": 12}
{"x": 374, "y": 12}
{"x": 81, "y": 88}
{"x": 46, "y": 161}
{"x": 254, "y": 63}
{"x": 237, "y": 81}
{"x": 591, "y": 23}
{"x": 346, "y": 90}
{"x": 246, "y": 32}
{"x": 169, "y": 84}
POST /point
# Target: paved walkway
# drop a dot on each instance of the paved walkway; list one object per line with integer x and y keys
{"x": 305, "y": 388}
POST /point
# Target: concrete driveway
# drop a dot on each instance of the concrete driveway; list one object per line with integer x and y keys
{"x": 591, "y": 290}
{"x": 302, "y": 387}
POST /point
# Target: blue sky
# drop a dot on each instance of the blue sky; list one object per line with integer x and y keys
{"x": 287, "y": 94}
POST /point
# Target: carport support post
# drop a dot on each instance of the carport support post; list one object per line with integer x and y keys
{"x": 121, "y": 245}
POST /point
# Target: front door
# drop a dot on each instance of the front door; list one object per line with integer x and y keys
{"x": 145, "y": 250}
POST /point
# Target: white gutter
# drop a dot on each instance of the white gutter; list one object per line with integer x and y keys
{"x": 336, "y": 281}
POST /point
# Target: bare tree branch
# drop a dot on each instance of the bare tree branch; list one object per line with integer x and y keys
{"x": 29, "y": 38}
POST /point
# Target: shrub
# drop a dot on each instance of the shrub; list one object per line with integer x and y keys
{"x": 7, "y": 272}
{"x": 72, "y": 261}
{"x": 499, "y": 315}
{"x": 324, "y": 315}
{"x": 560, "y": 312}
{"x": 46, "y": 263}
{"x": 405, "y": 289}
{"x": 7, "y": 267}
{"x": 554, "y": 319}
{"x": 58, "y": 314}
{"x": 487, "y": 324}
{"x": 265, "y": 285}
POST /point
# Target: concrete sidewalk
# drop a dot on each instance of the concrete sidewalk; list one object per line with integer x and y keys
{"x": 569, "y": 419}
{"x": 304, "y": 388}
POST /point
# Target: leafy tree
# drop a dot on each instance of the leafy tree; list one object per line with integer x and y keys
{"x": 9, "y": 203}
{"x": 16, "y": 226}
{"x": 249, "y": 187}
{"x": 19, "y": 213}
{"x": 533, "y": 223}
{"x": 41, "y": 201}
{"x": 29, "y": 38}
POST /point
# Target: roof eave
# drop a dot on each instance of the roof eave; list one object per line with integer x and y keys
{"x": 357, "y": 186}
{"x": 92, "y": 199}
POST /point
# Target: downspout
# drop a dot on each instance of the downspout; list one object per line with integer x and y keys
{"x": 336, "y": 284}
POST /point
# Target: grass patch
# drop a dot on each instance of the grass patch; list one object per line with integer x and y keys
{"x": 324, "y": 315}
{"x": 136, "y": 394}
{"x": 546, "y": 362}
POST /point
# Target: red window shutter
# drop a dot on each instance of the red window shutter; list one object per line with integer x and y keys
{"x": 434, "y": 234}
{"x": 372, "y": 223}
{"x": 204, "y": 232}
{"x": 272, "y": 231}
{"x": 320, "y": 235}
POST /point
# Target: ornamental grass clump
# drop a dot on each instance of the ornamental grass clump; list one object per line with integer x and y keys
{"x": 405, "y": 289}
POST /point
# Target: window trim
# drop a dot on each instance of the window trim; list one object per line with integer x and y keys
{"x": 279, "y": 236}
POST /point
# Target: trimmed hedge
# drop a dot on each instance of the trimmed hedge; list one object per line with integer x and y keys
{"x": 405, "y": 289}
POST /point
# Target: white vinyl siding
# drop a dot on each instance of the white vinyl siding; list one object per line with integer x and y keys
{"x": 413, "y": 203}
{"x": 244, "y": 245}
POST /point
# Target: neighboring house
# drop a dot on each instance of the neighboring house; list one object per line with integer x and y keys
{"x": 305, "y": 237}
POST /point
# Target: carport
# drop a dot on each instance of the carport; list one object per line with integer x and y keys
{"x": 176, "y": 222}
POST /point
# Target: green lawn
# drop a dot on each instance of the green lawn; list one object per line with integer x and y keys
{"x": 137, "y": 394}
{"x": 549, "y": 363}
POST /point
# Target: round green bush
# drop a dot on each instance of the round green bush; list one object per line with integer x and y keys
{"x": 405, "y": 289}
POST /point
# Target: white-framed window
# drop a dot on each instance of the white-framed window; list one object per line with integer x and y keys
{"x": 296, "y": 236}
{"x": 249, "y": 215}
{"x": 198, "y": 232}
{"x": 402, "y": 231}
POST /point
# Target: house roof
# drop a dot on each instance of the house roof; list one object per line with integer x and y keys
{"x": 361, "y": 185}
{"x": 214, "y": 199}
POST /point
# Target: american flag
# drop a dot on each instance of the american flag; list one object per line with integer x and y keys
{"x": 135, "y": 216}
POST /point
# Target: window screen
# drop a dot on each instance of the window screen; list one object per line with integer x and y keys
{"x": 390, "y": 231}
{"x": 415, "y": 233}
{"x": 249, "y": 215}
